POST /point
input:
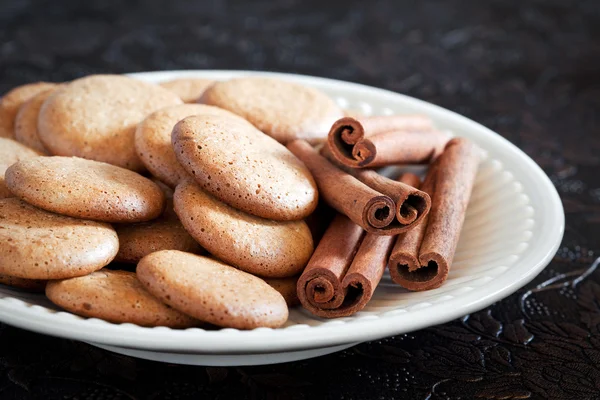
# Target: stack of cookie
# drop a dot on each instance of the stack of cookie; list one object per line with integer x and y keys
{"x": 204, "y": 199}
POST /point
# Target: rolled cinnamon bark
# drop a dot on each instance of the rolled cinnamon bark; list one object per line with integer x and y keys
{"x": 411, "y": 204}
{"x": 366, "y": 207}
{"x": 344, "y": 270}
{"x": 404, "y": 265}
{"x": 421, "y": 259}
{"x": 380, "y": 141}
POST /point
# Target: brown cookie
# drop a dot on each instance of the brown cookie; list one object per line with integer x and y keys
{"x": 85, "y": 189}
{"x": 256, "y": 245}
{"x": 115, "y": 296}
{"x": 163, "y": 233}
{"x": 11, "y": 101}
{"x": 287, "y": 288}
{"x": 153, "y": 140}
{"x": 95, "y": 117}
{"x": 36, "y": 244}
{"x": 26, "y": 121}
{"x": 283, "y": 110}
{"x": 245, "y": 168}
{"x": 212, "y": 291}
{"x": 188, "y": 89}
{"x": 31, "y": 285}
{"x": 11, "y": 152}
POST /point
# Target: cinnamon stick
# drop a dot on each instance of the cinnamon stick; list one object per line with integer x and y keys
{"x": 385, "y": 140}
{"x": 366, "y": 207}
{"x": 344, "y": 271}
{"x": 411, "y": 204}
{"x": 421, "y": 258}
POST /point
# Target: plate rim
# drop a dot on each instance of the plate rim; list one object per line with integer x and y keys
{"x": 229, "y": 341}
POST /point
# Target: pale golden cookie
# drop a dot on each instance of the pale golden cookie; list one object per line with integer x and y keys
{"x": 10, "y": 152}
{"x": 31, "y": 285}
{"x": 245, "y": 168}
{"x": 153, "y": 140}
{"x": 85, "y": 189}
{"x": 36, "y": 244}
{"x": 212, "y": 291}
{"x": 115, "y": 296}
{"x": 256, "y": 245}
{"x": 287, "y": 288}
{"x": 95, "y": 117}
{"x": 12, "y": 100}
{"x": 188, "y": 89}
{"x": 163, "y": 233}
{"x": 26, "y": 122}
{"x": 282, "y": 109}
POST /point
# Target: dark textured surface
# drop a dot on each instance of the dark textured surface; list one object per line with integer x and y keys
{"x": 527, "y": 69}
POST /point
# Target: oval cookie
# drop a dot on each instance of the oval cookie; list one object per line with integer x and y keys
{"x": 95, "y": 117}
{"x": 36, "y": 244}
{"x": 12, "y": 100}
{"x": 31, "y": 285}
{"x": 163, "y": 233}
{"x": 26, "y": 122}
{"x": 115, "y": 296}
{"x": 153, "y": 140}
{"x": 283, "y": 110}
{"x": 212, "y": 291}
{"x": 287, "y": 288}
{"x": 245, "y": 168}
{"x": 85, "y": 189}
{"x": 11, "y": 152}
{"x": 256, "y": 245}
{"x": 188, "y": 89}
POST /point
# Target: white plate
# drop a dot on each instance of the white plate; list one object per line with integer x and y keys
{"x": 513, "y": 227}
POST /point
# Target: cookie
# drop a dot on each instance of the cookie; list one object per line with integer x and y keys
{"x": 36, "y": 244}
{"x": 153, "y": 140}
{"x": 281, "y": 109}
{"x": 26, "y": 121}
{"x": 95, "y": 117}
{"x": 212, "y": 291}
{"x": 163, "y": 233}
{"x": 85, "y": 189}
{"x": 188, "y": 89}
{"x": 256, "y": 245}
{"x": 11, "y": 152}
{"x": 30, "y": 285}
{"x": 115, "y": 296}
{"x": 11, "y": 101}
{"x": 245, "y": 168}
{"x": 287, "y": 288}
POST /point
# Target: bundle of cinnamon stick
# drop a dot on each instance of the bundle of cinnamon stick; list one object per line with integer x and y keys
{"x": 410, "y": 228}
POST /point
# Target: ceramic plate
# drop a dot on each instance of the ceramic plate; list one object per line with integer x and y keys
{"x": 513, "y": 227}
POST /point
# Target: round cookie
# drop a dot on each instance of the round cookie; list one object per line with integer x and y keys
{"x": 188, "y": 89}
{"x": 256, "y": 245}
{"x": 115, "y": 296}
{"x": 287, "y": 288}
{"x": 26, "y": 121}
{"x": 212, "y": 291}
{"x": 31, "y": 285}
{"x": 153, "y": 140}
{"x": 163, "y": 233}
{"x": 11, "y": 152}
{"x": 281, "y": 109}
{"x": 85, "y": 189}
{"x": 36, "y": 244}
{"x": 12, "y": 100}
{"x": 95, "y": 118}
{"x": 245, "y": 168}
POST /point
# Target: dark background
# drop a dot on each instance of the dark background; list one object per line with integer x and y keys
{"x": 529, "y": 70}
